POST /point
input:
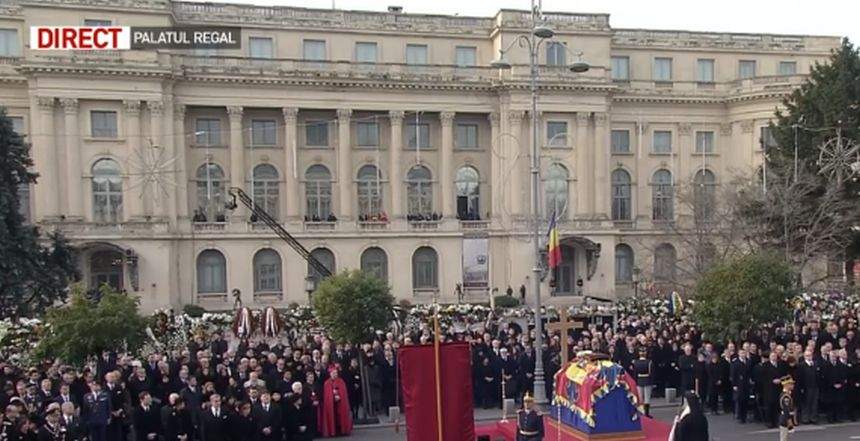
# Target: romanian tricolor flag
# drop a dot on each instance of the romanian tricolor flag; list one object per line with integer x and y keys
{"x": 552, "y": 244}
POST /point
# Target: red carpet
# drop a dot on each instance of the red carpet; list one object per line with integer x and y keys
{"x": 652, "y": 430}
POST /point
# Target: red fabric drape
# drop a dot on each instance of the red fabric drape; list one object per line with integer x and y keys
{"x": 417, "y": 379}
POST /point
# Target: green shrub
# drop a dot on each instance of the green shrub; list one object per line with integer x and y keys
{"x": 505, "y": 301}
{"x": 194, "y": 311}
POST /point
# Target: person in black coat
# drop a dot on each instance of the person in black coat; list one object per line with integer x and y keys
{"x": 717, "y": 373}
{"x": 119, "y": 403}
{"x": 71, "y": 422}
{"x": 836, "y": 381}
{"x": 268, "y": 417}
{"x": 244, "y": 427}
{"x": 740, "y": 379}
{"x": 176, "y": 420}
{"x": 691, "y": 424}
{"x": 300, "y": 416}
{"x": 809, "y": 378}
{"x": 216, "y": 421}
{"x": 509, "y": 371}
{"x": 388, "y": 374}
{"x": 352, "y": 377}
{"x": 487, "y": 384}
{"x": 146, "y": 419}
{"x": 687, "y": 369}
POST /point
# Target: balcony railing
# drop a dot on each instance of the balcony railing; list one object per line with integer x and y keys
{"x": 425, "y": 225}
{"x": 472, "y": 225}
{"x": 320, "y": 226}
{"x": 372, "y": 225}
{"x": 204, "y": 227}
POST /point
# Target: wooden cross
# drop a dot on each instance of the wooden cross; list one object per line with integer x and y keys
{"x": 563, "y": 325}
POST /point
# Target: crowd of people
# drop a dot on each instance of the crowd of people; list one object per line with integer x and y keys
{"x": 300, "y": 385}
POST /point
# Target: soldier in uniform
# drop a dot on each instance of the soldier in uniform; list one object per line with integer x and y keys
{"x": 529, "y": 421}
{"x": 643, "y": 369}
{"x": 787, "y": 412}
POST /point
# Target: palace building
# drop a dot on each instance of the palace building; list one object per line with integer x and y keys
{"x": 383, "y": 141}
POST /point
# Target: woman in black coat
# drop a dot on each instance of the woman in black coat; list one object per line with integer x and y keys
{"x": 690, "y": 424}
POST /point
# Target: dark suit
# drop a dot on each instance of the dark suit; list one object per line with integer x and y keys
{"x": 146, "y": 421}
{"x": 740, "y": 379}
{"x": 119, "y": 408}
{"x": 271, "y": 418}
{"x": 214, "y": 428}
{"x": 809, "y": 389}
{"x": 175, "y": 423}
{"x": 74, "y": 428}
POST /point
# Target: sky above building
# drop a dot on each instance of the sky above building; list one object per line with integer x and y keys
{"x": 821, "y": 17}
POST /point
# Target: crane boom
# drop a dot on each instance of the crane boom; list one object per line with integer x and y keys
{"x": 238, "y": 193}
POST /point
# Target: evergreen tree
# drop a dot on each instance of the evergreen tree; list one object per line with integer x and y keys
{"x": 32, "y": 276}
{"x": 828, "y": 100}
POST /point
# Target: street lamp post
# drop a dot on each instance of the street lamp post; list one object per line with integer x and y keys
{"x": 533, "y": 41}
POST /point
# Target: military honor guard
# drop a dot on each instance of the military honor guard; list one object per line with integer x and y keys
{"x": 787, "y": 412}
{"x": 529, "y": 421}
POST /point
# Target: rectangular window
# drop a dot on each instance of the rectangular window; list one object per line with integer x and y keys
{"x": 9, "y": 46}
{"x": 767, "y": 140}
{"x": 418, "y": 135}
{"x": 263, "y": 132}
{"x": 704, "y": 142}
{"x": 467, "y": 136}
{"x": 313, "y": 50}
{"x": 662, "y": 69}
{"x": 466, "y": 56}
{"x": 261, "y": 47}
{"x": 662, "y": 142}
{"x": 746, "y": 69}
{"x": 620, "y": 141}
{"x": 18, "y": 124}
{"x": 787, "y": 67}
{"x": 95, "y": 22}
{"x": 365, "y": 52}
{"x": 555, "y": 54}
{"x": 621, "y": 68}
{"x": 367, "y": 134}
{"x": 556, "y": 133}
{"x": 316, "y": 133}
{"x": 705, "y": 71}
{"x": 416, "y": 54}
{"x": 103, "y": 124}
{"x": 207, "y": 131}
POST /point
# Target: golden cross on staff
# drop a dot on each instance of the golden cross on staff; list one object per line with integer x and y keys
{"x": 563, "y": 325}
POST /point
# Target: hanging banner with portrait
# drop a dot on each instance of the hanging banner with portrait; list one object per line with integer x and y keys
{"x": 476, "y": 263}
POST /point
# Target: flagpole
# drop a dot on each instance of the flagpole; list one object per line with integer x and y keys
{"x": 437, "y": 371}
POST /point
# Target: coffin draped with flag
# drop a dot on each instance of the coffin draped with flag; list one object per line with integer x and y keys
{"x": 596, "y": 397}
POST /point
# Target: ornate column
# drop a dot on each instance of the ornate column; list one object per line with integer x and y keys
{"x": 582, "y": 171}
{"x": 132, "y": 200}
{"x": 396, "y": 148}
{"x": 514, "y": 169}
{"x": 601, "y": 166}
{"x": 45, "y": 160}
{"x": 73, "y": 206}
{"x": 496, "y": 182}
{"x": 447, "y": 159}
{"x": 344, "y": 163}
{"x": 291, "y": 173}
{"x": 181, "y": 167}
{"x": 159, "y": 201}
{"x": 237, "y": 154}
{"x": 640, "y": 178}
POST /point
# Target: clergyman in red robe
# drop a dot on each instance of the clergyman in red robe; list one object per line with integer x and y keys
{"x": 336, "y": 416}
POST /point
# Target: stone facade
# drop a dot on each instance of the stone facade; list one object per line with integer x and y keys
{"x": 335, "y": 91}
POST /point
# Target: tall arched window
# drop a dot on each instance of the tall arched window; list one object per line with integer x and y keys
{"x": 623, "y": 263}
{"x": 266, "y": 191}
{"x": 326, "y": 258}
{"x": 375, "y": 261}
{"x": 621, "y": 207}
{"x": 210, "y": 193}
{"x": 107, "y": 191}
{"x": 662, "y": 196}
{"x": 425, "y": 269}
{"x": 317, "y": 193}
{"x": 369, "y": 191}
{"x": 468, "y": 193}
{"x": 211, "y": 272}
{"x": 704, "y": 185}
{"x": 555, "y": 187}
{"x": 665, "y": 262}
{"x": 419, "y": 191}
{"x": 267, "y": 271}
